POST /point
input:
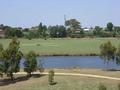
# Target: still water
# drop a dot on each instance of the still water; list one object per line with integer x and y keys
{"x": 73, "y": 62}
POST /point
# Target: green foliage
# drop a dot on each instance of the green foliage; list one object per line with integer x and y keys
{"x": 102, "y": 87}
{"x": 97, "y": 31}
{"x": 11, "y": 58}
{"x": 110, "y": 26}
{"x": 1, "y": 47}
{"x": 118, "y": 56}
{"x": 73, "y": 24}
{"x": 117, "y": 30}
{"x": 44, "y": 34}
{"x": 1, "y": 70}
{"x": 30, "y": 64}
{"x": 82, "y": 33}
{"x": 119, "y": 86}
{"x": 40, "y": 29}
{"x": 106, "y": 34}
{"x": 1, "y": 64}
{"x": 51, "y": 77}
{"x": 57, "y": 31}
{"x": 31, "y": 35}
{"x": 13, "y": 32}
{"x": 107, "y": 52}
{"x": 40, "y": 66}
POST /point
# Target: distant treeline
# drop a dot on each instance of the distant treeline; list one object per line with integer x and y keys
{"x": 72, "y": 29}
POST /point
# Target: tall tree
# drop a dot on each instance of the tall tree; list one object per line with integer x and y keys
{"x": 110, "y": 26}
{"x": 73, "y": 24}
{"x": 107, "y": 52}
{"x": 11, "y": 58}
{"x": 44, "y": 34}
{"x": 40, "y": 29}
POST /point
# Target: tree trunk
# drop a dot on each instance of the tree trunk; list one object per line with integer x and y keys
{"x": 11, "y": 76}
{"x": 29, "y": 74}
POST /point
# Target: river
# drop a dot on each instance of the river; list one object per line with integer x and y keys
{"x": 73, "y": 62}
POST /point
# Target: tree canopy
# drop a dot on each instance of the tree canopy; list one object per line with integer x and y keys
{"x": 110, "y": 26}
{"x": 11, "y": 58}
{"x": 107, "y": 52}
{"x": 73, "y": 24}
{"x": 30, "y": 63}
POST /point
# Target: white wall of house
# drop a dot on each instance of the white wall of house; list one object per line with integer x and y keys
{"x": 86, "y": 29}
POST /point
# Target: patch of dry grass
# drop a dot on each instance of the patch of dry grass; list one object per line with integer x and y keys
{"x": 63, "y": 83}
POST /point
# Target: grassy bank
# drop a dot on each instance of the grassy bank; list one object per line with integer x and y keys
{"x": 63, "y": 83}
{"x": 58, "y": 47}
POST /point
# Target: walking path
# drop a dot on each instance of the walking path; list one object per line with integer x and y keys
{"x": 77, "y": 74}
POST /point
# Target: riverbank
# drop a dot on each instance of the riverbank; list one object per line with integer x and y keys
{"x": 100, "y": 72}
{"x": 89, "y": 71}
{"x": 63, "y": 46}
{"x": 64, "y": 82}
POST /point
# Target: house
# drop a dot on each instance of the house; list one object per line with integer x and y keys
{"x": 86, "y": 29}
{"x": 34, "y": 29}
{"x": 2, "y": 33}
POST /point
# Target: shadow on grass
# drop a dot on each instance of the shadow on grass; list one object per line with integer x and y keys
{"x": 113, "y": 70}
{"x": 54, "y": 83}
{"x": 8, "y": 81}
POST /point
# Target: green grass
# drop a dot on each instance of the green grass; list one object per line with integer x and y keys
{"x": 85, "y": 46}
{"x": 63, "y": 83}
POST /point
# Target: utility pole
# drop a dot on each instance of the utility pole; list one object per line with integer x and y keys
{"x": 65, "y": 21}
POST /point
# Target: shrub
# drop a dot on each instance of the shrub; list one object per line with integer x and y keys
{"x": 119, "y": 86}
{"x": 30, "y": 63}
{"x": 51, "y": 77}
{"x": 102, "y": 87}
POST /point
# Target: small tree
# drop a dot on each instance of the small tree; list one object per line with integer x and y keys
{"x": 118, "y": 56}
{"x": 40, "y": 66}
{"x": 11, "y": 58}
{"x": 107, "y": 52}
{"x": 102, "y": 87}
{"x": 51, "y": 77}
{"x": 30, "y": 63}
{"x": 119, "y": 86}
{"x": 1, "y": 65}
{"x": 1, "y": 70}
{"x": 1, "y": 48}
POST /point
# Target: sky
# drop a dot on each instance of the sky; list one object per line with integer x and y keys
{"x": 28, "y": 13}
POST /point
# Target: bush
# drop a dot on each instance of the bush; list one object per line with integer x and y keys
{"x": 102, "y": 87}
{"x": 119, "y": 86}
{"x": 30, "y": 63}
{"x": 51, "y": 77}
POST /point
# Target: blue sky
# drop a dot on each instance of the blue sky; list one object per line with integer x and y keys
{"x": 27, "y": 13}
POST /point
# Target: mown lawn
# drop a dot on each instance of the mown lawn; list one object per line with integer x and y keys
{"x": 85, "y": 46}
{"x": 63, "y": 83}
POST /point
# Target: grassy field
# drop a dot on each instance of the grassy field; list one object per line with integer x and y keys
{"x": 62, "y": 83}
{"x": 85, "y": 46}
